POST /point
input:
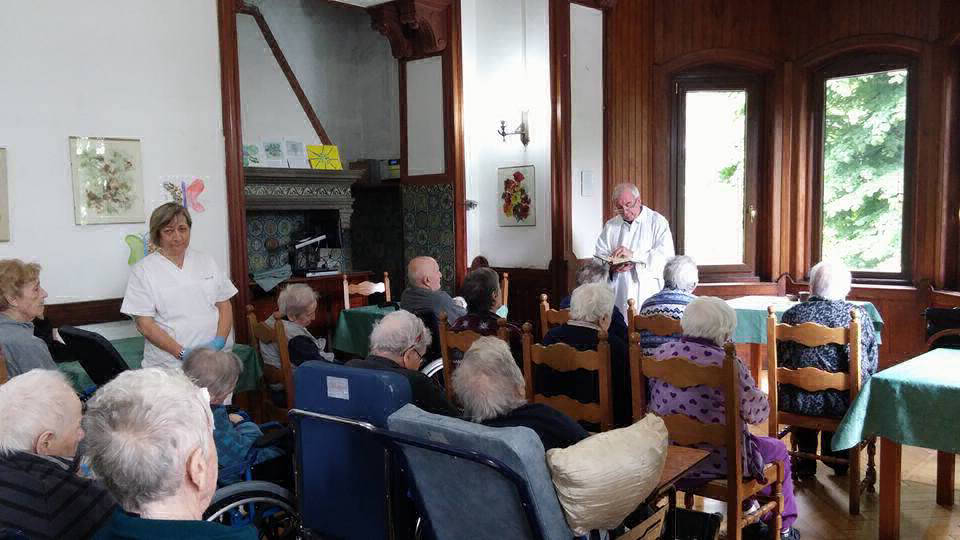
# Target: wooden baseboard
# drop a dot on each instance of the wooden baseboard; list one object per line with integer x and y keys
{"x": 90, "y": 312}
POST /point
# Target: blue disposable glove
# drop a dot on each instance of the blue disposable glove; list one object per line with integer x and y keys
{"x": 216, "y": 343}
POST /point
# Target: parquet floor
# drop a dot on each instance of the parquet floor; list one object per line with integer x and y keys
{"x": 822, "y": 502}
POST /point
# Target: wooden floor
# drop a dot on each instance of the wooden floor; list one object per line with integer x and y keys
{"x": 822, "y": 502}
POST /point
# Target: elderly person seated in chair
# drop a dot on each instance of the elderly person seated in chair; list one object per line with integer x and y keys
{"x": 22, "y": 301}
{"x": 424, "y": 294}
{"x": 234, "y": 433}
{"x": 591, "y": 306}
{"x": 397, "y": 344}
{"x": 41, "y": 495}
{"x": 481, "y": 289}
{"x": 491, "y": 388}
{"x": 707, "y": 324}
{"x": 680, "y": 278}
{"x": 297, "y": 304}
{"x": 829, "y": 285}
{"x": 595, "y": 271}
{"x": 150, "y": 439}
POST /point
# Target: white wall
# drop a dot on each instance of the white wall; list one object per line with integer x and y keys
{"x": 425, "y": 128}
{"x": 346, "y": 70}
{"x": 497, "y": 35}
{"x": 117, "y": 68}
{"x": 586, "y": 89}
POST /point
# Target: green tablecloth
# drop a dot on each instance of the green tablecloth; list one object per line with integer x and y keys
{"x": 354, "y": 326}
{"x": 752, "y": 316}
{"x": 131, "y": 349}
{"x": 916, "y": 403}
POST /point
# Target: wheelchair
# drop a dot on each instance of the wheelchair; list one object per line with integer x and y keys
{"x": 268, "y": 506}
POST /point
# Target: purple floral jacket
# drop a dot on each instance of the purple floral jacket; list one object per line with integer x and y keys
{"x": 706, "y": 404}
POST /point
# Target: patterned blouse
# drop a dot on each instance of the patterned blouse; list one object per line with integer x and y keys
{"x": 485, "y": 324}
{"x": 832, "y": 358}
{"x": 707, "y": 405}
{"x": 669, "y": 302}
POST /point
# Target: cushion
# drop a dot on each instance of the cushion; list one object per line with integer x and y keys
{"x": 603, "y": 478}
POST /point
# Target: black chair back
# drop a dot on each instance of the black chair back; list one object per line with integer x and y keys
{"x": 939, "y": 319}
{"x": 429, "y": 319}
{"x": 96, "y": 354}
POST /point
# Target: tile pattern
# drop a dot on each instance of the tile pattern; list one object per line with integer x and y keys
{"x": 428, "y": 227}
{"x": 263, "y": 226}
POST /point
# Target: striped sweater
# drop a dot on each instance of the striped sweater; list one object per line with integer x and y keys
{"x": 42, "y": 497}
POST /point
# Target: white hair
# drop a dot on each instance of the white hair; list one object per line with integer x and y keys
{"x": 488, "y": 382}
{"x": 30, "y": 404}
{"x": 295, "y": 299}
{"x": 217, "y": 371}
{"x": 141, "y": 428}
{"x": 681, "y": 273}
{"x": 709, "y": 317}
{"x": 830, "y": 280}
{"x": 591, "y": 302}
{"x": 592, "y": 272}
{"x": 399, "y": 331}
{"x": 620, "y": 188}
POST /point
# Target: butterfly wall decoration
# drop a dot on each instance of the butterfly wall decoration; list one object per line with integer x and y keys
{"x": 186, "y": 195}
{"x": 140, "y": 246}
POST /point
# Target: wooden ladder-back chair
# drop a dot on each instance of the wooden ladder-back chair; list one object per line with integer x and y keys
{"x": 550, "y": 317}
{"x": 277, "y": 334}
{"x": 563, "y": 357}
{"x": 505, "y": 289}
{"x": 365, "y": 288}
{"x": 451, "y": 341}
{"x": 686, "y": 431}
{"x": 660, "y": 325}
{"x": 4, "y": 375}
{"x": 811, "y": 379}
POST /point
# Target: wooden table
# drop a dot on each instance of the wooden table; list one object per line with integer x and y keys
{"x": 680, "y": 460}
{"x": 916, "y": 403}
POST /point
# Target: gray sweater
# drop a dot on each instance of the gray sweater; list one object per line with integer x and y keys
{"x": 416, "y": 299}
{"x": 22, "y": 350}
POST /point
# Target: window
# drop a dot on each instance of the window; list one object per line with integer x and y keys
{"x": 863, "y": 144}
{"x": 714, "y": 162}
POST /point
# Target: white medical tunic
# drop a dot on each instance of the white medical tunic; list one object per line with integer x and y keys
{"x": 649, "y": 238}
{"x": 181, "y": 300}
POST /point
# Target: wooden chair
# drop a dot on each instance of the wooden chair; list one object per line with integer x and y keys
{"x": 551, "y": 317}
{"x": 811, "y": 379}
{"x": 686, "y": 431}
{"x": 660, "y": 325}
{"x": 4, "y": 375}
{"x": 365, "y": 288}
{"x": 277, "y": 334}
{"x": 505, "y": 288}
{"x": 563, "y": 357}
{"x": 451, "y": 341}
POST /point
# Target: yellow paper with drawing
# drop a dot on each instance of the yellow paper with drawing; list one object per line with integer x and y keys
{"x": 324, "y": 157}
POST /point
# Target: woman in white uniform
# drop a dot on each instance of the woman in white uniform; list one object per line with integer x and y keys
{"x": 178, "y": 297}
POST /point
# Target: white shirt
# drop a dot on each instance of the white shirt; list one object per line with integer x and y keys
{"x": 180, "y": 300}
{"x": 649, "y": 238}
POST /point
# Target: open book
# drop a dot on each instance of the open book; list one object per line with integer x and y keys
{"x": 614, "y": 261}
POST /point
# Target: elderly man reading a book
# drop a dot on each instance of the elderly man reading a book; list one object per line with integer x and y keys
{"x": 637, "y": 244}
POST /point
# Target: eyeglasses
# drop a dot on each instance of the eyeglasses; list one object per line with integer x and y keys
{"x": 628, "y": 206}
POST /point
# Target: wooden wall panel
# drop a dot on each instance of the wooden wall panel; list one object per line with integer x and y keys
{"x": 645, "y": 35}
{"x": 526, "y": 286}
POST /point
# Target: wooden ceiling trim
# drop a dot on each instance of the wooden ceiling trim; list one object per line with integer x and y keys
{"x": 414, "y": 28}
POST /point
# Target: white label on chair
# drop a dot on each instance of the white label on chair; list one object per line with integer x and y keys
{"x": 338, "y": 388}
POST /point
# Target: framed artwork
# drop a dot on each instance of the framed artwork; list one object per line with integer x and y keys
{"x": 273, "y": 155}
{"x": 517, "y": 197}
{"x": 251, "y": 156}
{"x": 296, "y": 153}
{"x": 4, "y": 201}
{"x": 107, "y": 180}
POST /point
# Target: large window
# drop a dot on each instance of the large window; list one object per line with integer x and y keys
{"x": 714, "y": 167}
{"x": 863, "y": 142}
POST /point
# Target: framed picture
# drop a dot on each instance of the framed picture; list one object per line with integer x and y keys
{"x": 4, "y": 201}
{"x": 273, "y": 155}
{"x": 517, "y": 197}
{"x": 107, "y": 180}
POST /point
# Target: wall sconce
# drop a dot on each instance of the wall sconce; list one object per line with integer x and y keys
{"x": 522, "y": 130}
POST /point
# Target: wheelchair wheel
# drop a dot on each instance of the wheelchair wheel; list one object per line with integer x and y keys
{"x": 434, "y": 371}
{"x": 268, "y": 507}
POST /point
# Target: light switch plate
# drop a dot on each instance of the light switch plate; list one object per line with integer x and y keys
{"x": 586, "y": 183}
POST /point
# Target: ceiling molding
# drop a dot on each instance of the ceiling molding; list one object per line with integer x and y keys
{"x": 414, "y": 28}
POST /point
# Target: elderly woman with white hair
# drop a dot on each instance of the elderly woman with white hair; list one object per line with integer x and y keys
{"x": 297, "y": 305}
{"x": 398, "y": 343}
{"x": 490, "y": 386}
{"x": 591, "y": 308}
{"x": 150, "y": 439}
{"x": 829, "y": 284}
{"x": 39, "y": 434}
{"x": 680, "y": 278}
{"x": 234, "y": 432}
{"x": 708, "y": 323}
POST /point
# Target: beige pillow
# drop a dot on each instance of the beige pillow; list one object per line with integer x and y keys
{"x": 603, "y": 478}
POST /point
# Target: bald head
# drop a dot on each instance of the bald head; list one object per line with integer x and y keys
{"x": 424, "y": 272}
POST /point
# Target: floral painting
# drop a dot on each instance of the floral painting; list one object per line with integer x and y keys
{"x": 107, "y": 180}
{"x": 517, "y": 188}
